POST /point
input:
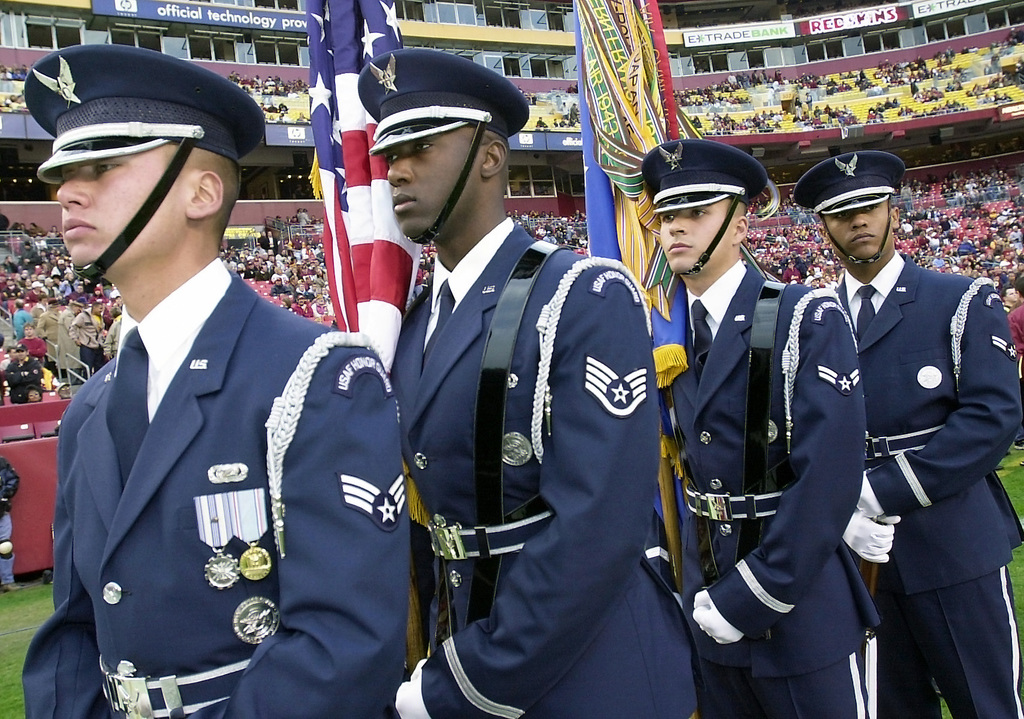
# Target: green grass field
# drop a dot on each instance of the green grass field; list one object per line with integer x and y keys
{"x": 23, "y": 611}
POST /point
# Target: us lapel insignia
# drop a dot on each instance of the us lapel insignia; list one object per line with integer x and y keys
{"x": 198, "y": 364}
{"x": 843, "y": 382}
{"x": 227, "y": 473}
{"x": 619, "y": 396}
{"x": 384, "y": 508}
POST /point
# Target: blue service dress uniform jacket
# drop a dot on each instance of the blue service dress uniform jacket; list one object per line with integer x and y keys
{"x": 341, "y": 588}
{"x": 580, "y": 626}
{"x": 797, "y": 597}
{"x": 967, "y": 526}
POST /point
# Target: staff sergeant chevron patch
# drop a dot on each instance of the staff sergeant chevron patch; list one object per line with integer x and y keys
{"x": 619, "y": 396}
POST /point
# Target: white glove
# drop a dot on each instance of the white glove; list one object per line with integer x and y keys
{"x": 707, "y": 616}
{"x": 871, "y": 538}
{"x": 868, "y": 502}
{"x": 409, "y": 699}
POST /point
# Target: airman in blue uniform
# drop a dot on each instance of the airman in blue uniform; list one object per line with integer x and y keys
{"x": 938, "y": 369}
{"x": 530, "y": 426}
{"x": 771, "y": 415}
{"x": 201, "y": 567}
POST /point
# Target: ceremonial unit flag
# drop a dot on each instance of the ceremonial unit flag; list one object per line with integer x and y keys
{"x": 371, "y": 266}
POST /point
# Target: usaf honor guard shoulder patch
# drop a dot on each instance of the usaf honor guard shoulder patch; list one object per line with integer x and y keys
{"x": 821, "y": 309}
{"x": 619, "y": 396}
{"x": 357, "y": 366}
{"x": 600, "y": 284}
{"x": 843, "y": 382}
{"x": 383, "y": 508}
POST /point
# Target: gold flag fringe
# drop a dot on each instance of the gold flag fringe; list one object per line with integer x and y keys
{"x": 314, "y": 179}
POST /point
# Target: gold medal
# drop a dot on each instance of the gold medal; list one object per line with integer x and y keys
{"x": 255, "y": 619}
{"x": 254, "y": 564}
{"x": 221, "y": 570}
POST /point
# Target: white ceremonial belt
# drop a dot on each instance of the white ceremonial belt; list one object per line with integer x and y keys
{"x": 726, "y": 507}
{"x": 880, "y": 447}
{"x": 161, "y": 697}
{"x": 454, "y": 542}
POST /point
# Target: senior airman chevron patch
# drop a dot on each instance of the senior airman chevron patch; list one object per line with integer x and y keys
{"x": 384, "y": 508}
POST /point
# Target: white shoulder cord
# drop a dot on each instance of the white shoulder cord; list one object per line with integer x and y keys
{"x": 791, "y": 350}
{"x": 287, "y": 409}
{"x": 959, "y": 321}
{"x": 547, "y": 327}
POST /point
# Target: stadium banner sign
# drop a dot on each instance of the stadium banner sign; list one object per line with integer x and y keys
{"x": 732, "y": 34}
{"x": 552, "y": 141}
{"x": 203, "y": 13}
{"x": 1011, "y": 112}
{"x": 868, "y": 17}
{"x": 289, "y": 135}
{"x": 936, "y": 7}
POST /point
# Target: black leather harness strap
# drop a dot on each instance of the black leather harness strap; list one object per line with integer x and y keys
{"x": 490, "y": 418}
{"x": 756, "y": 477}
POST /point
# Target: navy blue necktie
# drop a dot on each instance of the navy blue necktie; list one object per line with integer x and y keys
{"x": 701, "y": 335}
{"x": 127, "y": 409}
{"x": 866, "y": 313}
{"x": 445, "y": 307}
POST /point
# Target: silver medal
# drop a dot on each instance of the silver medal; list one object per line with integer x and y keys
{"x": 256, "y": 619}
{"x": 222, "y": 571}
{"x": 773, "y": 431}
{"x": 516, "y": 449}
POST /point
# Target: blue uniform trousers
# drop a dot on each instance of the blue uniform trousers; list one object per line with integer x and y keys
{"x": 974, "y": 656}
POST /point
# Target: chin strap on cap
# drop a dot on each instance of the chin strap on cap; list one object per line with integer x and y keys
{"x": 431, "y": 232}
{"x": 97, "y": 268}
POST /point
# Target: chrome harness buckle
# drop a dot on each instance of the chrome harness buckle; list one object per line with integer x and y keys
{"x": 128, "y": 693}
{"x": 445, "y": 539}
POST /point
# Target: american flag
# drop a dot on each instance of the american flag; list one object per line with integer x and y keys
{"x": 370, "y": 264}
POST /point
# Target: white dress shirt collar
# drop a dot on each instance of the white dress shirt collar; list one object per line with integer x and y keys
{"x": 883, "y": 283}
{"x": 717, "y": 297}
{"x": 171, "y": 327}
{"x": 468, "y": 271}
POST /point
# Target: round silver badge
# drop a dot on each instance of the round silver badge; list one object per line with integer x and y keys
{"x": 516, "y": 449}
{"x": 773, "y": 431}
{"x": 513, "y": 380}
{"x": 222, "y": 571}
{"x": 256, "y": 619}
{"x": 929, "y": 377}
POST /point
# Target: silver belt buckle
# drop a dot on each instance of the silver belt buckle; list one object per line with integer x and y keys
{"x": 718, "y": 507}
{"x": 445, "y": 539}
{"x": 128, "y": 693}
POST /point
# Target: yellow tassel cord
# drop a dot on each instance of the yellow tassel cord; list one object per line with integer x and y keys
{"x": 314, "y": 179}
{"x": 670, "y": 451}
{"x": 417, "y": 511}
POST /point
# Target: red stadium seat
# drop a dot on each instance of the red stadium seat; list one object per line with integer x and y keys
{"x": 16, "y": 432}
{"x": 48, "y": 428}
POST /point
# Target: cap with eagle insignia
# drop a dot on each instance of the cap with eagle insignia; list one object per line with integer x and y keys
{"x": 103, "y": 101}
{"x": 849, "y": 181}
{"x": 415, "y": 92}
{"x": 693, "y": 173}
